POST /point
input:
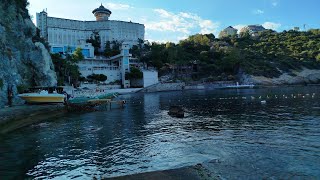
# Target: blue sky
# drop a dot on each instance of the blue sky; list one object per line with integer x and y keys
{"x": 173, "y": 20}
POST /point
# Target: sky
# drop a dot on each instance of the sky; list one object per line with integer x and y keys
{"x": 174, "y": 20}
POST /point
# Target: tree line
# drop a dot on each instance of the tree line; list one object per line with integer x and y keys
{"x": 269, "y": 54}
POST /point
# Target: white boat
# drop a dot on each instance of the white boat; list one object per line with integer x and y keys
{"x": 240, "y": 86}
{"x": 42, "y": 97}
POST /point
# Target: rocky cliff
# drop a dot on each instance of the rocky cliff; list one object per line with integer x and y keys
{"x": 23, "y": 62}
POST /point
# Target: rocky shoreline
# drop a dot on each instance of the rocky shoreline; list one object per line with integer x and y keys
{"x": 303, "y": 77}
{"x": 306, "y": 76}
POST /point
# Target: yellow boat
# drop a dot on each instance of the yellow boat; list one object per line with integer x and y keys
{"x": 42, "y": 97}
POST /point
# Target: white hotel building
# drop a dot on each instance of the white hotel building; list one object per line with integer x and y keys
{"x": 61, "y": 33}
{"x": 66, "y": 34}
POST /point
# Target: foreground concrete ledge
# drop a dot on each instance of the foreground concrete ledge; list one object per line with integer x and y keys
{"x": 234, "y": 166}
{"x": 12, "y": 118}
{"x": 197, "y": 172}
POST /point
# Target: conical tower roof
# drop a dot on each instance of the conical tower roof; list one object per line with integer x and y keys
{"x": 101, "y": 9}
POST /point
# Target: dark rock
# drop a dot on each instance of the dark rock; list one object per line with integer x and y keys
{"x": 176, "y": 111}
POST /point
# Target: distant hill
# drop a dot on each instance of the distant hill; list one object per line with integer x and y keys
{"x": 269, "y": 54}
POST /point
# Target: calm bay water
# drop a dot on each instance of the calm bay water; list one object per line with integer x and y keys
{"x": 279, "y": 139}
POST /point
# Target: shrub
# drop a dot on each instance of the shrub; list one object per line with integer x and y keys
{"x": 318, "y": 57}
{"x": 1, "y": 84}
{"x": 134, "y": 74}
{"x": 97, "y": 77}
{"x": 21, "y": 88}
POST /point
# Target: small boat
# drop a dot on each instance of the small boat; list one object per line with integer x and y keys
{"x": 84, "y": 100}
{"x": 239, "y": 86}
{"x": 89, "y": 103}
{"x": 42, "y": 97}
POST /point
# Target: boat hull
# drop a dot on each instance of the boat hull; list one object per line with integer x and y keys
{"x": 42, "y": 99}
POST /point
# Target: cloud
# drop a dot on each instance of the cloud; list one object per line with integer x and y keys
{"x": 207, "y": 27}
{"x": 271, "y": 25}
{"x": 274, "y": 4}
{"x": 239, "y": 27}
{"x": 188, "y": 15}
{"x": 168, "y": 22}
{"x": 258, "y": 11}
{"x": 181, "y": 22}
{"x": 116, "y": 6}
{"x": 163, "y": 13}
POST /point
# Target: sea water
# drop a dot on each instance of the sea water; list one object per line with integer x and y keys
{"x": 276, "y": 139}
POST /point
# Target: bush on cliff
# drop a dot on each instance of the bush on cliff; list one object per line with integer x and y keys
{"x": 1, "y": 84}
{"x": 21, "y": 6}
{"x": 66, "y": 69}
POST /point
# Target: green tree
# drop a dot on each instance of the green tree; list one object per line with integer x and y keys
{"x": 231, "y": 61}
{"x": 245, "y": 34}
{"x": 66, "y": 69}
{"x": 107, "y": 50}
{"x": 77, "y": 55}
{"x": 134, "y": 73}
{"x": 97, "y": 77}
{"x": 318, "y": 57}
{"x": 199, "y": 39}
{"x": 140, "y": 43}
{"x": 135, "y": 51}
{"x": 95, "y": 40}
{"x": 115, "y": 48}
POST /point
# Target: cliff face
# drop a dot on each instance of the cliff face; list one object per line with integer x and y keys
{"x": 23, "y": 63}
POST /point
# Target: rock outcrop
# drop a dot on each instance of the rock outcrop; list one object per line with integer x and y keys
{"x": 23, "y": 63}
{"x": 306, "y": 76}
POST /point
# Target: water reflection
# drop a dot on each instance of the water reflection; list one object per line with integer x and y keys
{"x": 230, "y": 126}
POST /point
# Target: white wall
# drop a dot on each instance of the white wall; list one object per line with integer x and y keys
{"x": 150, "y": 78}
{"x": 112, "y": 75}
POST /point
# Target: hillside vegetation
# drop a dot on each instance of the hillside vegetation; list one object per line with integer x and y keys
{"x": 270, "y": 54}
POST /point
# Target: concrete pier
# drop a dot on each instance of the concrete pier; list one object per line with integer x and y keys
{"x": 12, "y": 118}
